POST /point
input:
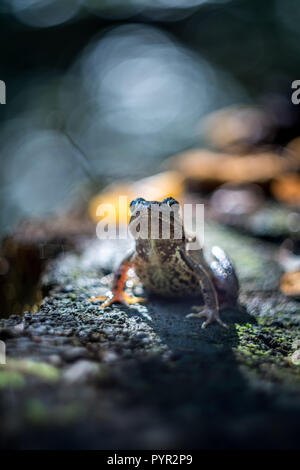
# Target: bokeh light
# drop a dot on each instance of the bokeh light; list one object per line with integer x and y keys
{"x": 128, "y": 94}
{"x": 144, "y": 95}
{"x": 45, "y": 13}
{"x": 42, "y": 170}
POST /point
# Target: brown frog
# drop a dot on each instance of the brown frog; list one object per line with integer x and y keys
{"x": 167, "y": 266}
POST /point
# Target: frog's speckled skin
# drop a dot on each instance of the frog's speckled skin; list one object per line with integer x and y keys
{"x": 167, "y": 267}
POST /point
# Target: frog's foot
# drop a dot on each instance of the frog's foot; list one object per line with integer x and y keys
{"x": 118, "y": 297}
{"x": 210, "y": 315}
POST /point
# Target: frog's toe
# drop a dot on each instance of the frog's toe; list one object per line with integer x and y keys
{"x": 118, "y": 297}
{"x": 198, "y": 308}
{"x": 107, "y": 300}
{"x": 131, "y": 299}
{"x": 196, "y": 315}
{"x": 216, "y": 319}
{"x": 210, "y": 315}
{"x": 98, "y": 297}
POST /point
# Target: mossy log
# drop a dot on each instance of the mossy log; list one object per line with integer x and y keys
{"x": 146, "y": 376}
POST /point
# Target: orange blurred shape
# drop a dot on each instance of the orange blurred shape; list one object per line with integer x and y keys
{"x": 292, "y": 149}
{"x": 237, "y": 126}
{"x": 287, "y": 189}
{"x": 204, "y": 165}
{"x": 157, "y": 187}
{"x": 290, "y": 283}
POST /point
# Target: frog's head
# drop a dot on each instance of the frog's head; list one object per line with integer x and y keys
{"x": 156, "y": 220}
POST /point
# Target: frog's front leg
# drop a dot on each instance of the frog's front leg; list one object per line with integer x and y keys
{"x": 118, "y": 294}
{"x": 211, "y": 308}
{"x": 224, "y": 277}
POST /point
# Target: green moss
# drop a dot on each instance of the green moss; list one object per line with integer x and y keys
{"x": 40, "y": 369}
{"x": 71, "y": 412}
{"x": 36, "y": 412}
{"x": 10, "y": 379}
{"x": 265, "y": 350}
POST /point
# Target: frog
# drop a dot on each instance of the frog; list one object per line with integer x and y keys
{"x": 170, "y": 263}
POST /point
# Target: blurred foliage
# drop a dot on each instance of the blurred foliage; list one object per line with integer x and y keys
{"x": 111, "y": 88}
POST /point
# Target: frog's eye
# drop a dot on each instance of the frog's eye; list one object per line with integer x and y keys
{"x": 136, "y": 201}
{"x": 170, "y": 201}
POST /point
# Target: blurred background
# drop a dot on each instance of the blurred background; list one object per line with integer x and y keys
{"x": 100, "y": 91}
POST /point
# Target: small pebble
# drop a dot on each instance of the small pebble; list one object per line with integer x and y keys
{"x": 81, "y": 372}
{"x": 296, "y": 357}
{"x": 55, "y": 360}
{"x": 109, "y": 356}
{"x": 141, "y": 334}
{"x": 68, "y": 288}
{"x": 74, "y": 353}
{"x": 296, "y": 344}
